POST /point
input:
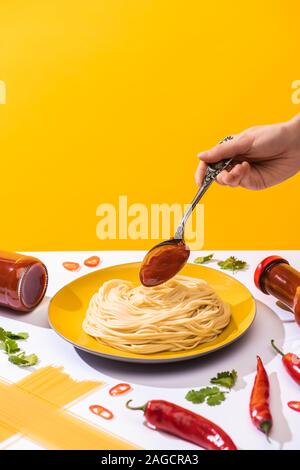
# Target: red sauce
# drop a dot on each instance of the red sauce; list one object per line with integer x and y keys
{"x": 162, "y": 263}
{"x": 23, "y": 281}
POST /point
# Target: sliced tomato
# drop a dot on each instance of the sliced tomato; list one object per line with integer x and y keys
{"x": 92, "y": 262}
{"x": 294, "y": 405}
{"x": 101, "y": 411}
{"x": 119, "y": 389}
{"x": 71, "y": 266}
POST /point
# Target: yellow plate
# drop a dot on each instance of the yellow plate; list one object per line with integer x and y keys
{"x": 68, "y": 307}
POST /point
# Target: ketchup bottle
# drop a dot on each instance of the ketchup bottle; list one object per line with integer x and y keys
{"x": 23, "y": 281}
{"x": 276, "y": 277}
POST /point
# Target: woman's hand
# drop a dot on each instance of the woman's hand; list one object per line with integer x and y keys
{"x": 263, "y": 156}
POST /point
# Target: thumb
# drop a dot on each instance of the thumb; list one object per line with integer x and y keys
{"x": 239, "y": 145}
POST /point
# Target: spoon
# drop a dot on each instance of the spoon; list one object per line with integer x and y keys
{"x": 167, "y": 258}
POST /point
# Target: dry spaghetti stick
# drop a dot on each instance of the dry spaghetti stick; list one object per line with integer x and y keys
{"x": 52, "y": 384}
{"x": 46, "y": 424}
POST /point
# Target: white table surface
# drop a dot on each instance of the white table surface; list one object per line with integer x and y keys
{"x": 172, "y": 381}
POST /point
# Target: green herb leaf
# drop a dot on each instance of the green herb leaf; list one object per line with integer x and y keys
{"x": 20, "y": 335}
{"x": 232, "y": 263}
{"x": 11, "y": 346}
{"x": 216, "y": 399}
{"x": 8, "y": 334}
{"x": 212, "y": 395}
{"x": 24, "y": 361}
{"x": 203, "y": 259}
{"x": 196, "y": 396}
{"x": 2, "y": 334}
{"x": 225, "y": 379}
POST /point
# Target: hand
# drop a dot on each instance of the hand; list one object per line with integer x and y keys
{"x": 263, "y": 156}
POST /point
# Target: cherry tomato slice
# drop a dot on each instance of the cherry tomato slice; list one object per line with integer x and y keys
{"x": 92, "y": 262}
{"x": 294, "y": 405}
{"x": 101, "y": 411}
{"x": 119, "y": 389}
{"x": 71, "y": 266}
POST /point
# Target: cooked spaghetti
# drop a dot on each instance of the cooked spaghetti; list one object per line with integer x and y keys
{"x": 175, "y": 316}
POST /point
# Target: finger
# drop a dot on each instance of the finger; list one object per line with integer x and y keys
{"x": 220, "y": 177}
{"x": 244, "y": 171}
{"x": 200, "y": 172}
{"x": 252, "y": 178}
{"x": 235, "y": 176}
{"x": 229, "y": 149}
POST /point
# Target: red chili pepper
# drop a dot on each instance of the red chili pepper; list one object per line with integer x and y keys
{"x": 119, "y": 389}
{"x": 294, "y": 405}
{"x": 259, "y": 402}
{"x": 92, "y": 262}
{"x": 291, "y": 362}
{"x": 101, "y": 411}
{"x": 71, "y": 266}
{"x": 185, "y": 424}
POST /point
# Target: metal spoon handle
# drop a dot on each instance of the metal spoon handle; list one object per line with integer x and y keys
{"x": 212, "y": 172}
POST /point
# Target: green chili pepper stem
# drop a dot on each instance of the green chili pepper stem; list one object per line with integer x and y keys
{"x": 141, "y": 408}
{"x": 265, "y": 428}
{"x": 276, "y": 348}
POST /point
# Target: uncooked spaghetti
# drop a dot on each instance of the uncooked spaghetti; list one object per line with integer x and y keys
{"x": 175, "y": 316}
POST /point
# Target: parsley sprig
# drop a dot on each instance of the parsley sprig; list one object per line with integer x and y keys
{"x": 22, "y": 360}
{"x": 8, "y": 343}
{"x": 232, "y": 264}
{"x": 213, "y": 396}
{"x": 204, "y": 259}
{"x": 225, "y": 379}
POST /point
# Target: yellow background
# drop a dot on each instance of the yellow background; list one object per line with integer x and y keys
{"x": 109, "y": 97}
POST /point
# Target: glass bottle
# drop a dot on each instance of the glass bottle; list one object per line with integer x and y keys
{"x": 275, "y": 276}
{"x": 23, "y": 281}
